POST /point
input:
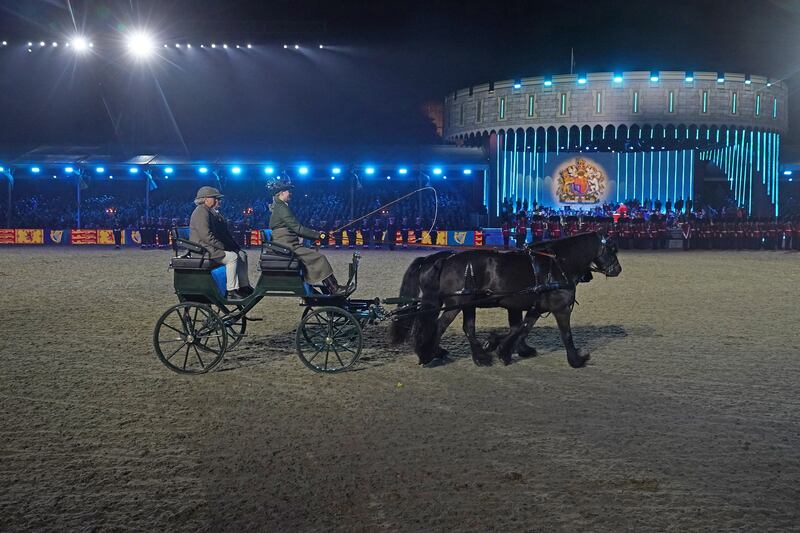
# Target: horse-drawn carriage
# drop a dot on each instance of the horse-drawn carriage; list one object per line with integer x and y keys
{"x": 192, "y": 336}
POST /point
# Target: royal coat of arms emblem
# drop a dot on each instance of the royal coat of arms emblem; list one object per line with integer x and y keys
{"x": 581, "y": 182}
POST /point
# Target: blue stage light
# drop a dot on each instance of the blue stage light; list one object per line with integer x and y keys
{"x": 721, "y": 77}
{"x": 333, "y": 177}
{"x": 203, "y": 170}
{"x": 689, "y": 76}
{"x": 467, "y": 171}
{"x": 69, "y": 170}
{"x": 444, "y": 177}
{"x": 133, "y": 170}
{"x": 169, "y": 170}
{"x": 303, "y": 170}
{"x": 100, "y": 170}
{"x": 36, "y": 170}
{"x": 582, "y": 79}
{"x": 517, "y": 84}
{"x": 2, "y": 169}
{"x": 236, "y": 170}
{"x": 269, "y": 171}
{"x": 437, "y": 171}
{"x": 403, "y": 171}
{"x": 747, "y": 80}
{"x": 787, "y": 172}
{"x": 617, "y": 78}
{"x": 654, "y": 76}
{"x": 548, "y": 81}
{"x": 388, "y": 177}
{"x": 336, "y": 170}
{"x": 370, "y": 170}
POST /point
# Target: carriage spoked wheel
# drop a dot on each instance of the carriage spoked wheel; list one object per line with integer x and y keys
{"x": 190, "y": 338}
{"x": 328, "y": 339}
{"x": 236, "y": 327}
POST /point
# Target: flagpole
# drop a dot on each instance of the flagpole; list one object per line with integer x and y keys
{"x": 147, "y": 179}
{"x": 78, "y": 195}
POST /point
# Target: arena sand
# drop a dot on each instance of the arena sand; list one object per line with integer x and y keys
{"x": 686, "y": 417}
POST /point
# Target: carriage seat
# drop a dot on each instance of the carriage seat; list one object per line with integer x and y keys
{"x": 196, "y": 256}
{"x": 278, "y": 258}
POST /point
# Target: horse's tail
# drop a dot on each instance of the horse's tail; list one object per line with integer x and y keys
{"x": 400, "y": 329}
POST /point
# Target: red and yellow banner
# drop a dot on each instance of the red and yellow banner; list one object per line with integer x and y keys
{"x": 84, "y": 236}
{"x": 8, "y": 236}
{"x": 30, "y": 236}
{"x": 105, "y": 236}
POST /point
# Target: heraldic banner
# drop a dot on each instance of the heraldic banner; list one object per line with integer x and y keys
{"x": 579, "y": 180}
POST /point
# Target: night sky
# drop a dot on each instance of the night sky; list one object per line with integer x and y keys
{"x": 385, "y": 60}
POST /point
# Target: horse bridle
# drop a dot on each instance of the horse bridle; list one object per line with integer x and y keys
{"x": 604, "y": 245}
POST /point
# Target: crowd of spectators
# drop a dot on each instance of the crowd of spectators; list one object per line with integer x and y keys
{"x": 323, "y": 203}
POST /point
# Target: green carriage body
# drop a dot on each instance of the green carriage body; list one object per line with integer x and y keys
{"x": 330, "y": 327}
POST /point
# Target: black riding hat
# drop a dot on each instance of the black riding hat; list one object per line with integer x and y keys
{"x": 279, "y": 185}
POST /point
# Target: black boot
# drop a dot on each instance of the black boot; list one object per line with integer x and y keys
{"x": 332, "y": 286}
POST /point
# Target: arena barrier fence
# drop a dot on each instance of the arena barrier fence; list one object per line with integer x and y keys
{"x": 132, "y": 237}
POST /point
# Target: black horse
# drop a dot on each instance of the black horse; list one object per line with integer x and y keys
{"x": 541, "y": 279}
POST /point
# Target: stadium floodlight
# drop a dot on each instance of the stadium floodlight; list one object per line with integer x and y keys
{"x": 249, "y": 46}
{"x": 654, "y": 76}
{"x": 285, "y": 46}
{"x": 36, "y": 170}
{"x": 30, "y": 43}
{"x": 581, "y": 79}
{"x": 747, "y": 80}
{"x": 269, "y": 171}
{"x": 177, "y": 45}
{"x": 787, "y": 172}
{"x": 5, "y": 43}
{"x": 689, "y": 77}
{"x": 297, "y": 47}
{"x": 69, "y": 170}
{"x": 203, "y": 170}
{"x": 2, "y": 169}
{"x": 236, "y": 170}
{"x": 169, "y": 170}
{"x": 370, "y": 170}
{"x": 42, "y": 43}
{"x": 403, "y": 171}
{"x": 225, "y": 46}
{"x": 336, "y": 170}
{"x": 467, "y": 172}
{"x": 321, "y": 47}
{"x": 303, "y": 170}
{"x": 444, "y": 177}
{"x": 140, "y": 44}
{"x": 188, "y": 45}
{"x": 388, "y": 177}
{"x": 437, "y": 171}
{"x": 333, "y": 177}
{"x": 238, "y": 47}
{"x": 213, "y": 45}
{"x": 79, "y": 44}
{"x": 100, "y": 170}
{"x": 133, "y": 170}
{"x": 617, "y": 77}
{"x": 54, "y": 44}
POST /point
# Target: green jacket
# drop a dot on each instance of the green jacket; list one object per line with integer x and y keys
{"x": 283, "y": 218}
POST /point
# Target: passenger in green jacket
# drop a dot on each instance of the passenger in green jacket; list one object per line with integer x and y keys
{"x": 287, "y": 231}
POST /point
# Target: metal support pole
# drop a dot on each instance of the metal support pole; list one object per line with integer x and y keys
{"x": 78, "y": 178}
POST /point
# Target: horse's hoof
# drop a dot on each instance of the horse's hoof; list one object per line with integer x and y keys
{"x": 584, "y": 354}
{"x": 527, "y": 351}
{"x": 482, "y": 361}
{"x": 506, "y": 360}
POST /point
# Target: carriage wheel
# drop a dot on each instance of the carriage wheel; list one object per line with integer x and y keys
{"x": 190, "y": 338}
{"x": 328, "y": 340}
{"x": 234, "y": 328}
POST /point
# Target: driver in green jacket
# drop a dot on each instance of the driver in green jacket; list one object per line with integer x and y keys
{"x": 287, "y": 231}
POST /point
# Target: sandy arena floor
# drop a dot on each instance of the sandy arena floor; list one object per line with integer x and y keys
{"x": 686, "y": 418}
